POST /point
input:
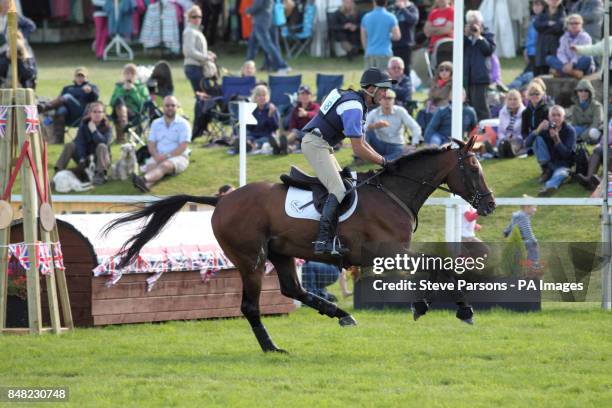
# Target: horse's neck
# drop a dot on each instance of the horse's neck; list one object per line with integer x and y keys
{"x": 431, "y": 169}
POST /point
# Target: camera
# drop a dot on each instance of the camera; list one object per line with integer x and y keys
{"x": 553, "y": 125}
{"x": 473, "y": 29}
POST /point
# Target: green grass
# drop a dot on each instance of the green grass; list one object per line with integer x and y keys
{"x": 559, "y": 357}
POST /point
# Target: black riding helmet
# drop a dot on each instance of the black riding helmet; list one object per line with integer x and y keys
{"x": 376, "y": 77}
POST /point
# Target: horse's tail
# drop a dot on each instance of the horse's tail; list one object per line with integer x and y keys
{"x": 158, "y": 213}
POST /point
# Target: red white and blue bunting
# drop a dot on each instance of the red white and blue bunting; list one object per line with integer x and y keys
{"x": 46, "y": 255}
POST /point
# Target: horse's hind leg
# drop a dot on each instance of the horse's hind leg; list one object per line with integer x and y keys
{"x": 291, "y": 287}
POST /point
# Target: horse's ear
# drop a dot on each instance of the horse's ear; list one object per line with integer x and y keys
{"x": 470, "y": 143}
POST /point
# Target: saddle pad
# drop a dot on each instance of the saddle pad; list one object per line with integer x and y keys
{"x": 297, "y": 197}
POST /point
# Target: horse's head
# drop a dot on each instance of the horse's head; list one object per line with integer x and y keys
{"x": 466, "y": 179}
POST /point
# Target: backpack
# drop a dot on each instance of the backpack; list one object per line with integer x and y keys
{"x": 582, "y": 159}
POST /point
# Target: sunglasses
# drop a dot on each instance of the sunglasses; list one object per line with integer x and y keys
{"x": 389, "y": 98}
{"x": 535, "y": 94}
{"x": 194, "y": 17}
{"x": 574, "y": 22}
{"x": 582, "y": 90}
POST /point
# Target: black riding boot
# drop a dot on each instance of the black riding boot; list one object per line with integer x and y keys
{"x": 327, "y": 230}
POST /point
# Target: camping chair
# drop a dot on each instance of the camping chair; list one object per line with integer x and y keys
{"x": 421, "y": 66}
{"x": 442, "y": 51}
{"x": 325, "y": 84}
{"x": 283, "y": 90}
{"x": 298, "y": 37}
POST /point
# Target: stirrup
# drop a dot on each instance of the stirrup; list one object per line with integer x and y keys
{"x": 337, "y": 248}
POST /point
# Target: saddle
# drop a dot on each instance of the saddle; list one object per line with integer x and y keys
{"x": 298, "y": 179}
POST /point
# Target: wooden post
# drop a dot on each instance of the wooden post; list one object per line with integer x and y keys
{"x": 5, "y": 234}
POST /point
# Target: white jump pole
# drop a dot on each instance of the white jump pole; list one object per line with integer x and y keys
{"x": 606, "y": 284}
{"x": 245, "y": 117}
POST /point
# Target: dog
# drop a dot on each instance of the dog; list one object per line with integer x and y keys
{"x": 127, "y": 163}
{"x": 78, "y": 179}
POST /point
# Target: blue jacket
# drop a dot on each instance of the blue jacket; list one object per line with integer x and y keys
{"x": 477, "y": 59}
{"x": 561, "y": 154}
{"x": 403, "y": 90}
{"x": 532, "y": 38}
{"x": 261, "y": 11}
{"x": 441, "y": 122}
{"x": 407, "y": 19}
{"x": 266, "y": 124}
{"x": 87, "y": 141}
{"x": 80, "y": 95}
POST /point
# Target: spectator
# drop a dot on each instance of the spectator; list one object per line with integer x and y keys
{"x": 27, "y": 68}
{"x": 478, "y": 46}
{"x": 101, "y": 22}
{"x": 509, "y": 138}
{"x": 93, "y": 138}
{"x": 554, "y": 144}
{"x": 586, "y": 115}
{"x": 70, "y": 104}
{"x": 128, "y": 100}
{"x": 248, "y": 69}
{"x": 407, "y": 15}
{"x": 302, "y": 113}
{"x": 261, "y": 12}
{"x": 536, "y": 110}
{"x": 549, "y": 26}
{"x": 378, "y": 28}
{"x": 212, "y": 10}
{"x": 439, "y": 23}
{"x": 438, "y": 130}
{"x": 590, "y": 181}
{"x": 225, "y": 190}
{"x": 439, "y": 93}
{"x": 316, "y": 276}
{"x": 403, "y": 86}
{"x": 567, "y": 62}
{"x": 168, "y": 140}
{"x": 385, "y": 128}
{"x": 199, "y": 63}
{"x": 345, "y": 24}
{"x": 537, "y": 7}
{"x": 522, "y": 219}
{"x": 268, "y": 118}
{"x": 592, "y": 12}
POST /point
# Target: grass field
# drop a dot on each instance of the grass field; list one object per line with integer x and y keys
{"x": 560, "y": 357}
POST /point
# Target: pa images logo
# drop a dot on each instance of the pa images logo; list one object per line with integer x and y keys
{"x": 297, "y": 206}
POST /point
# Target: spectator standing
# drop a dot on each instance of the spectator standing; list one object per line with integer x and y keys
{"x": 439, "y": 23}
{"x": 536, "y": 110}
{"x": 261, "y": 12}
{"x": 586, "y": 114}
{"x": 345, "y": 23}
{"x": 478, "y": 46}
{"x": 592, "y": 12}
{"x": 567, "y": 62}
{"x": 537, "y": 8}
{"x": 554, "y": 144}
{"x": 93, "y": 138}
{"x": 385, "y": 128}
{"x": 317, "y": 276}
{"x": 101, "y": 22}
{"x": 168, "y": 141}
{"x": 407, "y": 15}
{"x": 378, "y": 28}
{"x": 71, "y": 103}
{"x": 550, "y": 25}
{"x": 509, "y": 138}
{"x": 302, "y": 113}
{"x": 403, "y": 86}
{"x": 199, "y": 63}
{"x": 128, "y": 100}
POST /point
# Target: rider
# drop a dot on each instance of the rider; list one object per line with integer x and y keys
{"x": 342, "y": 114}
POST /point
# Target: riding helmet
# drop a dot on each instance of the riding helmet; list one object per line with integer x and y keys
{"x": 376, "y": 77}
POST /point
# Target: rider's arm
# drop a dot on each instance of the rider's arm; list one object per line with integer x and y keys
{"x": 351, "y": 113}
{"x": 364, "y": 151}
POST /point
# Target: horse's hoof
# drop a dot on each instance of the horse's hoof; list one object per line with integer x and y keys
{"x": 469, "y": 321}
{"x": 347, "y": 321}
{"x": 465, "y": 314}
{"x": 276, "y": 350}
{"x": 419, "y": 309}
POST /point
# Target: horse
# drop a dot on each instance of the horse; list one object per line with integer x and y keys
{"x": 251, "y": 225}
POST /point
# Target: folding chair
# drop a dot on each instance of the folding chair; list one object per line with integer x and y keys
{"x": 283, "y": 90}
{"x": 296, "y": 38}
{"x": 325, "y": 84}
{"x": 421, "y": 65}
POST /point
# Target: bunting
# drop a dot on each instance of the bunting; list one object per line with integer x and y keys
{"x": 31, "y": 119}
{"x": 3, "y": 120}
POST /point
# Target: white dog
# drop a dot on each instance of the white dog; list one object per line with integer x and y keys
{"x": 127, "y": 163}
{"x": 66, "y": 181}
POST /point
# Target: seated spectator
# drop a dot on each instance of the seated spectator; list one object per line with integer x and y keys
{"x": 70, "y": 104}
{"x": 93, "y": 138}
{"x": 590, "y": 181}
{"x": 385, "y": 128}
{"x": 567, "y": 62}
{"x": 248, "y": 69}
{"x": 439, "y": 23}
{"x": 478, "y": 47}
{"x": 549, "y": 25}
{"x": 128, "y": 100}
{"x": 554, "y": 144}
{"x": 403, "y": 87}
{"x": 536, "y": 110}
{"x": 438, "y": 131}
{"x": 268, "y": 118}
{"x": 509, "y": 138}
{"x": 586, "y": 115}
{"x": 168, "y": 140}
{"x": 225, "y": 190}
{"x": 439, "y": 93}
{"x": 345, "y": 24}
{"x": 407, "y": 15}
{"x": 302, "y": 113}
{"x": 537, "y": 7}
{"x": 316, "y": 276}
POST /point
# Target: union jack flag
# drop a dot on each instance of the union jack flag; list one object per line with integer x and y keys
{"x": 31, "y": 119}
{"x": 20, "y": 251}
{"x": 44, "y": 258}
{"x": 3, "y": 120}
{"x": 58, "y": 256}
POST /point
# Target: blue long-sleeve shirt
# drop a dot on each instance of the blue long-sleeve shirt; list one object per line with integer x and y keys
{"x": 86, "y": 141}
{"x": 407, "y": 19}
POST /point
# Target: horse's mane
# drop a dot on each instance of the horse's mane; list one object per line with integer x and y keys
{"x": 428, "y": 151}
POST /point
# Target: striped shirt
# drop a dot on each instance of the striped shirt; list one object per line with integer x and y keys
{"x": 523, "y": 221}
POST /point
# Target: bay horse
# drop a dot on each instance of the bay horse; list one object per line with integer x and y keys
{"x": 251, "y": 225}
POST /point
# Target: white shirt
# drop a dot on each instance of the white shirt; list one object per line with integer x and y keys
{"x": 393, "y": 133}
{"x": 169, "y": 137}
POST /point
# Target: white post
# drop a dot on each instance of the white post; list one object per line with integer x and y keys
{"x": 245, "y": 117}
{"x": 606, "y": 301}
{"x": 457, "y": 91}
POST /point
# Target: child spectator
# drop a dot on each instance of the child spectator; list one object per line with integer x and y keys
{"x": 439, "y": 93}
{"x": 471, "y": 245}
{"x": 537, "y": 7}
{"x": 509, "y": 139}
{"x": 550, "y": 26}
{"x": 586, "y": 115}
{"x": 248, "y": 69}
{"x": 522, "y": 219}
{"x": 566, "y": 62}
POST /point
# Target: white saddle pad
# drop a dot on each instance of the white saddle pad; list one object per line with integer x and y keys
{"x": 296, "y": 198}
